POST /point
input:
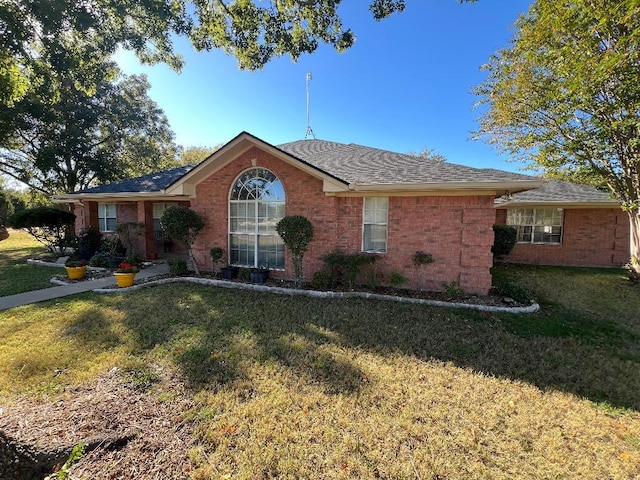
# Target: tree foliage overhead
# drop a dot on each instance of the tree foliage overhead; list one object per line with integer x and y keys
{"x": 81, "y": 122}
{"x": 252, "y": 31}
{"x": 565, "y": 94}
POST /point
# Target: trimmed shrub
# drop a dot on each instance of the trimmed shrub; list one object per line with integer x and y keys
{"x": 514, "y": 290}
{"x": 183, "y": 225}
{"x": 504, "y": 239}
{"x": 322, "y": 279}
{"x": 47, "y": 225}
{"x": 396, "y": 279}
{"x": 296, "y": 232}
{"x": 177, "y": 266}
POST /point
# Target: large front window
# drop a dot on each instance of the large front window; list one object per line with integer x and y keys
{"x": 536, "y": 225}
{"x": 256, "y": 205}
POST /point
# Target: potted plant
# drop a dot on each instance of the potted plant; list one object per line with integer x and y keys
{"x": 259, "y": 274}
{"x": 76, "y": 268}
{"x": 125, "y": 274}
{"x": 229, "y": 272}
{"x": 216, "y": 256}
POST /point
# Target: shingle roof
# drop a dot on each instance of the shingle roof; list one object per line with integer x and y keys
{"x": 351, "y": 163}
{"x": 358, "y": 164}
{"x": 154, "y": 182}
{"x": 557, "y": 192}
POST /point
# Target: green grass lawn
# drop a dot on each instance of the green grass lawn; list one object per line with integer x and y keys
{"x": 295, "y": 387}
{"x": 15, "y": 275}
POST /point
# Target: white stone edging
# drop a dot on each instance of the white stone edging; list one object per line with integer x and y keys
{"x": 534, "y": 307}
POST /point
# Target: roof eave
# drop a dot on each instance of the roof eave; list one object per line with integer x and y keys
{"x": 488, "y": 187}
{"x": 115, "y": 196}
{"x": 563, "y": 204}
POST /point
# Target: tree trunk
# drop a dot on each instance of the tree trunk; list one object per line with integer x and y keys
{"x": 193, "y": 261}
{"x": 634, "y": 243}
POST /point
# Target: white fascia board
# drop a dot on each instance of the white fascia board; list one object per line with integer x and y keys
{"x": 583, "y": 204}
{"x": 481, "y": 187}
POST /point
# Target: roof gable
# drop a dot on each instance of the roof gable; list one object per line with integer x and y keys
{"x": 343, "y": 168}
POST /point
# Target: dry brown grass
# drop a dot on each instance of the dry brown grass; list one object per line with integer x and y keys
{"x": 289, "y": 387}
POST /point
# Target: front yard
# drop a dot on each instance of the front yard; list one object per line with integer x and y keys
{"x": 215, "y": 383}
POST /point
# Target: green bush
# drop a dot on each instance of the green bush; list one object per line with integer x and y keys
{"x": 421, "y": 258}
{"x": 296, "y": 232}
{"x": 452, "y": 289}
{"x": 514, "y": 290}
{"x": 100, "y": 259}
{"x": 396, "y": 279}
{"x": 183, "y": 225}
{"x": 47, "y": 225}
{"x": 350, "y": 266}
{"x": 504, "y": 239}
{"x": 322, "y": 279}
{"x": 177, "y": 266}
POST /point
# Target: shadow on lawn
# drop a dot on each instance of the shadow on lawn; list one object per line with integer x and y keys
{"x": 213, "y": 334}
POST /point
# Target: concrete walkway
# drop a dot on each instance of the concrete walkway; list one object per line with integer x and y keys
{"x": 36, "y": 296}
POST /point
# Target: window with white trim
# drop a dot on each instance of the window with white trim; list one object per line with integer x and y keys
{"x": 256, "y": 205}
{"x": 107, "y": 220}
{"x": 374, "y": 224}
{"x": 158, "y": 210}
{"x": 536, "y": 225}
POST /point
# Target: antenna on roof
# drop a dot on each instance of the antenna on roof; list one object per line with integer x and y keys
{"x": 309, "y": 129}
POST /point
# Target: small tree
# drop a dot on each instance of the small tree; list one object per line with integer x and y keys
{"x": 296, "y": 232}
{"x": 48, "y": 225}
{"x": 129, "y": 232}
{"x": 183, "y": 225}
{"x": 420, "y": 260}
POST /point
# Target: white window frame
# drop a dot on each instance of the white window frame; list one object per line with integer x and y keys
{"x": 106, "y": 212}
{"x": 379, "y": 206}
{"x": 159, "y": 207}
{"x": 262, "y": 226}
{"x": 534, "y": 224}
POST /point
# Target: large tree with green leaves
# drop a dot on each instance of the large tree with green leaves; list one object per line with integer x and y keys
{"x": 81, "y": 122}
{"x": 253, "y": 31}
{"x": 565, "y": 94}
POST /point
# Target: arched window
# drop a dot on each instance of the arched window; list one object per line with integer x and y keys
{"x": 256, "y": 205}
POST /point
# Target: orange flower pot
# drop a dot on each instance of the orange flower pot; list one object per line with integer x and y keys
{"x": 124, "y": 279}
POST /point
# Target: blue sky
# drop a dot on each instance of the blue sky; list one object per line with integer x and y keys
{"x": 404, "y": 86}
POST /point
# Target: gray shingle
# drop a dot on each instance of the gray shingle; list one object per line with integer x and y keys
{"x": 153, "y": 182}
{"x": 559, "y": 192}
{"x": 358, "y": 164}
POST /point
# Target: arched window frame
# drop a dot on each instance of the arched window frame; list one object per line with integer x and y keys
{"x": 256, "y": 204}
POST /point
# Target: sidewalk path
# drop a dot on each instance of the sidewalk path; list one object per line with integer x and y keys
{"x": 36, "y": 296}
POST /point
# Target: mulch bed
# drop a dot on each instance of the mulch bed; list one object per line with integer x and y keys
{"x": 130, "y": 433}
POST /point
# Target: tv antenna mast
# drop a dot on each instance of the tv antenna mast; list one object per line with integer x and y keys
{"x": 309, "y": 131}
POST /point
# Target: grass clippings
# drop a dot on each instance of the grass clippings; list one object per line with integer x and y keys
{"x": 133, "y": 432}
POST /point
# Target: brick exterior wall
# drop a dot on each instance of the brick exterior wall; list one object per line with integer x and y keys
{"x": 590, "y": 237}
{"x": 456, "y": 230}
{"x": 141, "y": 211}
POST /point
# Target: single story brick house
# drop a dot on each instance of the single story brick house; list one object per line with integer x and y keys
{"x": 563, "y": 223}
{"x": 359, "y": 199}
